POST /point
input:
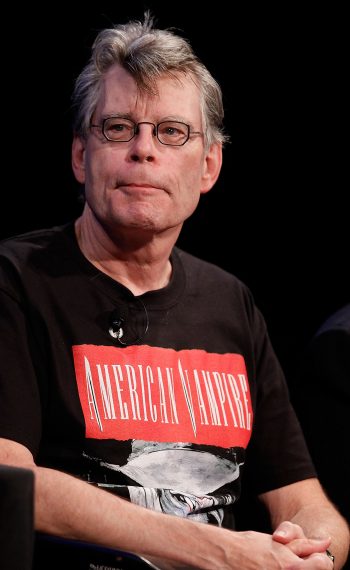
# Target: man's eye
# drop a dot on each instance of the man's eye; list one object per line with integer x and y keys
{"x": 171, "y": 131}
{"x": 117, "y": 127}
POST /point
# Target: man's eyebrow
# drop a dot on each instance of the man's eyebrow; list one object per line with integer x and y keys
{"x": 117, "y": 116}
{"x": 129, "y": 116}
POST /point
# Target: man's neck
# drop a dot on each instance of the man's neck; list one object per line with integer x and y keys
{"x": 140, "y": 266}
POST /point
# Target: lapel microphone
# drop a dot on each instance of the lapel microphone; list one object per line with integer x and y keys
{"x": 117, "y": 326}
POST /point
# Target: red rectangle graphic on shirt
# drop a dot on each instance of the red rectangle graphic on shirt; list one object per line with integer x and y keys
{"x": 160, "y": 394}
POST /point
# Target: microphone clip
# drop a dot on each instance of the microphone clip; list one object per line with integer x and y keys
{"x": 117, "y": 322}
{"x": 115, "y": 329}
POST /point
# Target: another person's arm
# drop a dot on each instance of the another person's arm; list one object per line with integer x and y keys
{"x": 321, "y": 393}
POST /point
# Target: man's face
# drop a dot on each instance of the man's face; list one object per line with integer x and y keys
{"x": 142, "y": 184}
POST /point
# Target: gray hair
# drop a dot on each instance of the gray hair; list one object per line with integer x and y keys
{"x": 147, "y": 54}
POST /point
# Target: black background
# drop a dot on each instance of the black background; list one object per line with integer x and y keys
{"x": 277, "y": 217}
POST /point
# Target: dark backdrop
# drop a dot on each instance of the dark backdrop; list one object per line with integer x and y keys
{"x": 277, "y": 218}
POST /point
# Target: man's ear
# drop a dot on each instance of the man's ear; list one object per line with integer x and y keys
{"x": 78, "y": 158}
{"x": 211, "y": 167}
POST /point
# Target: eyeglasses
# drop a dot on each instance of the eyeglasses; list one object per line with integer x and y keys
{"x": 118, "y": 129}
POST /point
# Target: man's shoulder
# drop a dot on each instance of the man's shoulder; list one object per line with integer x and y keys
{"x": 21, "y": 245}
{"x": 208, "y": 270}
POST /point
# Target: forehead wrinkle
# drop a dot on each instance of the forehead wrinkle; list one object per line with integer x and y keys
{"x": 134, "y": 103}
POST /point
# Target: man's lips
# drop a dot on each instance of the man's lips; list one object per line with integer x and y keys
{"x": 140, "y": 186}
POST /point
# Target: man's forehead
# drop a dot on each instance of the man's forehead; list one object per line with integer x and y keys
{"x": 122, "y": 78}
{"x": 177, "y": 92}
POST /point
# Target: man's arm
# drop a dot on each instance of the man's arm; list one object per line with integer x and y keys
{"x": 68, "y": 507}
{"x": 306, "y": 505}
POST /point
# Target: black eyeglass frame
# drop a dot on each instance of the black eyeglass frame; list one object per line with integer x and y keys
{"x": 135, "y": 130}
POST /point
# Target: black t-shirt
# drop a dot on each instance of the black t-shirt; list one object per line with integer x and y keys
{"x": 170, "y": 413}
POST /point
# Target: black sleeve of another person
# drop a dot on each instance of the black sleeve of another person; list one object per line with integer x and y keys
{"x": 322, "y": 401}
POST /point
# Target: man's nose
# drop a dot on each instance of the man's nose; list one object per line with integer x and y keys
{"x": 154, "y": 127}
{"x": 143, "y": 142}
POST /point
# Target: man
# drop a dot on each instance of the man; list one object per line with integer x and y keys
{"x": 138, "y": 367}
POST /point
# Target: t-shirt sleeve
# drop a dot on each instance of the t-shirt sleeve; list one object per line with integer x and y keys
{"x": 277, "y": 454}
{"x": 20, "y": 410}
